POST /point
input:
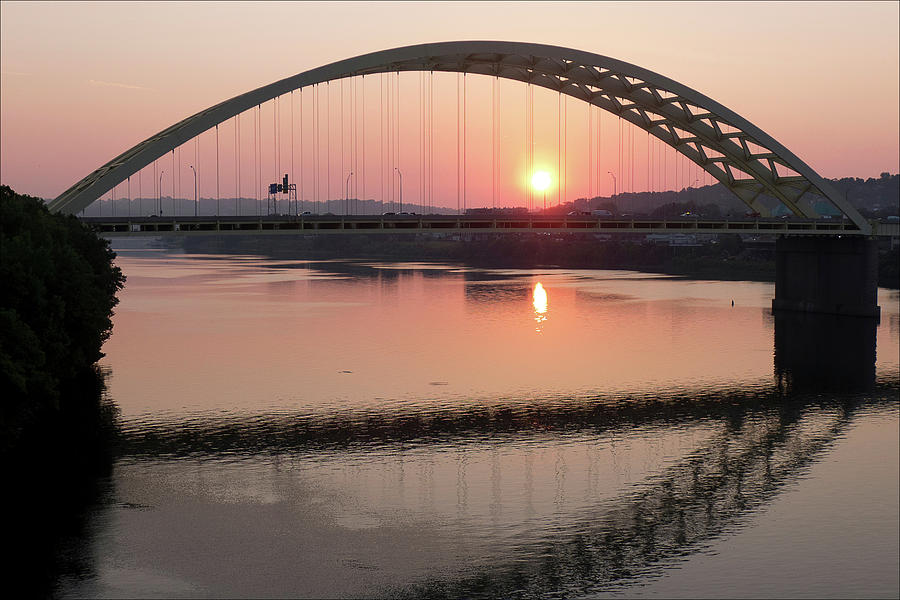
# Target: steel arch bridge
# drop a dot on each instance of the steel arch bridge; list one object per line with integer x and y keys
{"x": 742, "y": 157}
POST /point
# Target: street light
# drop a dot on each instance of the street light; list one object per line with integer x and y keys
{"x": 195, "y": 189}
{"x": 401, "y": 188}
{"x": 159, "y": 193}
{"x": 347, "y": 192}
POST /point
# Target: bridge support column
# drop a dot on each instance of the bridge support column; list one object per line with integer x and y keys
{"x": 827, "y": 275}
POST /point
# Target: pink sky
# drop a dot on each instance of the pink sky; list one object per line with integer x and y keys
{"x": 81, "y": 83}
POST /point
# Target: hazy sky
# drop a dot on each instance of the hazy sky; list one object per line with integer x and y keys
{"x": 82, "y": 82}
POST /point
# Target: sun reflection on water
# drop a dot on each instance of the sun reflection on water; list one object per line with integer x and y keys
{"x": 540, "y": 306}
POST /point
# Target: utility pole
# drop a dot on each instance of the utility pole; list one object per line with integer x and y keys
{"x": 196, "y": 209}
{"x": 159, "y": 193}
{"x": 347, "y": 193}
{"x": 401, "y": 188}
{"x": 614, "y": 186}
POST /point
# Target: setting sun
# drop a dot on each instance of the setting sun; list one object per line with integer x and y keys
{"x": 541, "y": 180}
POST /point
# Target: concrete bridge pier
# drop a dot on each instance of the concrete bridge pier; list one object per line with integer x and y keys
{"x": 836, "y": 275}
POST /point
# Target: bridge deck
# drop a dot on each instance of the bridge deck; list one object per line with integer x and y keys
{"x": 453, "y": 224}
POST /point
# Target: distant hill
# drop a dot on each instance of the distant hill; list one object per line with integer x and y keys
{"x": 872, "y": 197}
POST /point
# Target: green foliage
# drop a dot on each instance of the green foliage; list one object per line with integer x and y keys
{"x": 58, "y": 293}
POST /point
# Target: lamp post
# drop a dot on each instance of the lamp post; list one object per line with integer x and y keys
{"x": 159, "y": 193}
{"x": 614, "y": 185}
{"x": 347, "y": 192}
{"x": 401, "y": 188}
{"x": 196, "y": 203}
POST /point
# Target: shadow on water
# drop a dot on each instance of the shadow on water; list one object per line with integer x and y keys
{"x": 56, "y": 479}
{"x": 824, "y": 352}
{"x": 765, "y": 439}
{"x": 688, "y": 505}
{"x": 824, "y": 374}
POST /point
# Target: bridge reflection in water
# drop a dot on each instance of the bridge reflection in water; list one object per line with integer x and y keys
{"x": 726, "y": 455}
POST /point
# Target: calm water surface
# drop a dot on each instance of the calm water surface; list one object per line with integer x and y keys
{"x": 350, "y": 428}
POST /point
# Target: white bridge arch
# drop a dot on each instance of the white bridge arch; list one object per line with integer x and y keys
{"x": 738, "y": 154}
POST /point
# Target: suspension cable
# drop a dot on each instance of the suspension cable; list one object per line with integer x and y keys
{"x": 177, "y": 182}
{"x": 620, "y": 164}
{"x": 256, "y": 161}
{"x": 390, "y": 146}
{"x": 302, "y": 197}
{"x": 525, "y": 154}
{"x": 590, "y": 137}
{"x": 493, "y": 142}
{"x": 364, "y": 153}
{"x": 317, "y": 162}
{"x": 390, "y": 141}
{"x": 397, "y": 138}
{"x": 292, "y": 152}
{"x": 199, "y": 171}
{"x": 237, "y": 187}
{"x": 422, "y": 138}
{"x": 351, "y": 143}
{"x": 353, "y": 134}
{"x": 631, "y": 150}
{"x": 499, "y": 142}
{"x": 381, "y": 134}
{"x": 344, "y": 201}
{"x": 677, "y": 171}
{"x": 217, "y": 170}
{"x": 328, "y": 146}
{"x": 429, "y": 141}
{"x": 599, "y": 151}
{"x": 238, "y": 126}
{"x": 276, "y": 131}
{"x": 566, "y": 147}
{"x": 431, "y": 137}
{"x": 529, "y": 148}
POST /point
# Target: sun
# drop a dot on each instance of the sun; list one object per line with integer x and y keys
{"x": 540, "y": 180}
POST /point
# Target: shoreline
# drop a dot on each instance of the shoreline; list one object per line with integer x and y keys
{"x": 730, "y": 259}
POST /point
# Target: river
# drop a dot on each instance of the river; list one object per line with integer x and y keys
{"x": 370, "y": 429}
